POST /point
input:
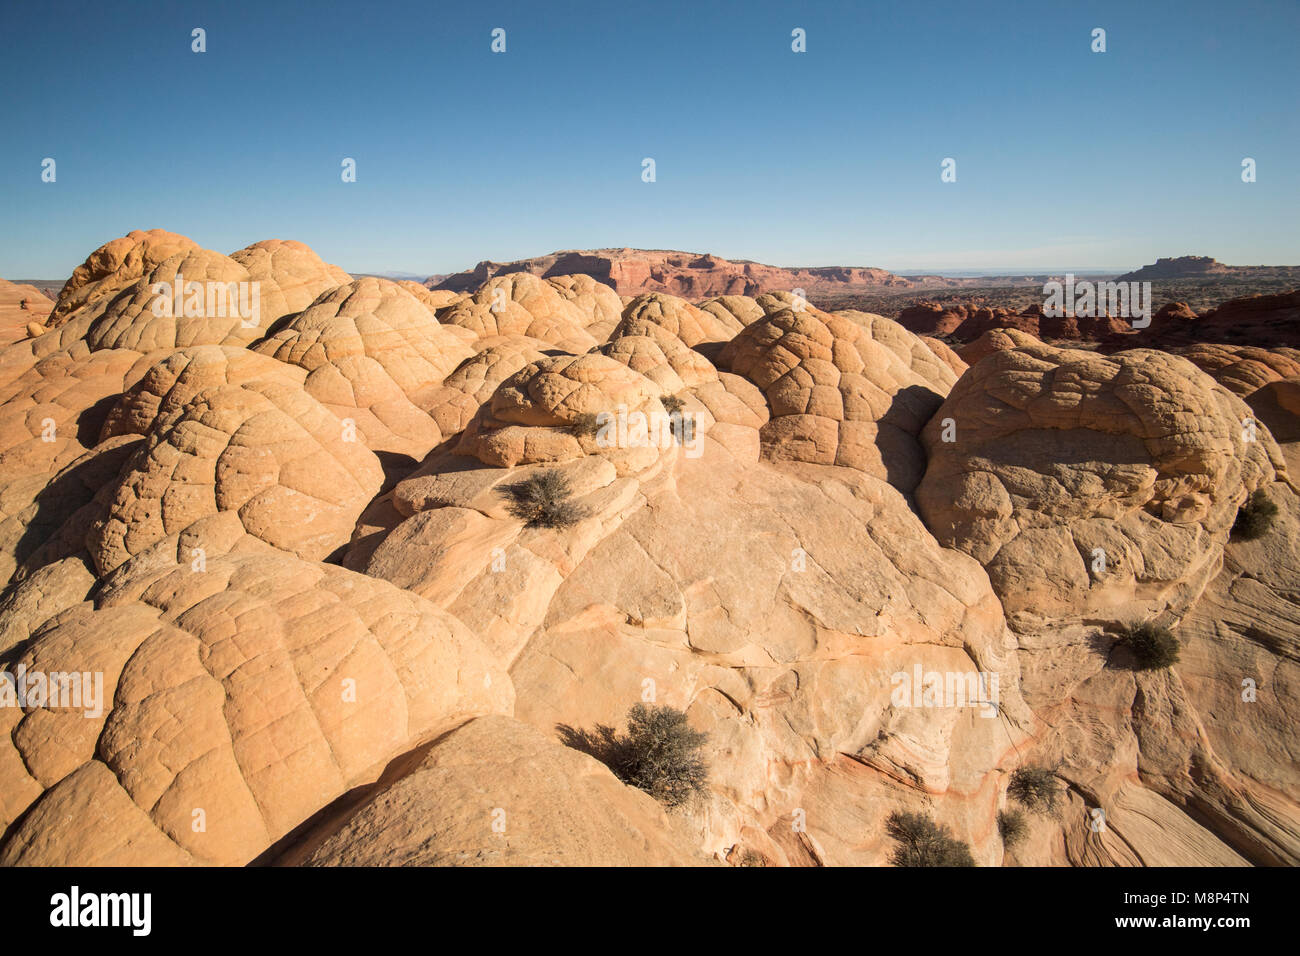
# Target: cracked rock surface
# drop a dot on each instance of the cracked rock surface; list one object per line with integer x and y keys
{"x": 323, "y": 635}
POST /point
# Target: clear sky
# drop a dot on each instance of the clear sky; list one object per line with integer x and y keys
{"x": 1065, "y": 157}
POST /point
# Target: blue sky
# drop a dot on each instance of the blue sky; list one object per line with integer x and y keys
{"x": 1065, "y": 157}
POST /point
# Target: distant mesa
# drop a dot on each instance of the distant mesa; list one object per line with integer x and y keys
{"x": 1178, "y": 267}
{"x": 688, "y": 274}
{"x": 695, "y": 276}
{"x": 1192, "y": 267}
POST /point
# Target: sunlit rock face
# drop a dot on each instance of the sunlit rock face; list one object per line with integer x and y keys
{"x": 879, "y": 575}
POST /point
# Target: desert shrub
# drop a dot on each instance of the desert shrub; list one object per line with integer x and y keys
{"x": 660, "y": 754}
{"x": 922, "y": 842}
{"x": 542, "y": 500}
{"x": 751, "y": 858}
{"x": 683, "y": 421}
{"x": 1035, "y": 788}
{"x": 1013, "y": 826}
{"x": 1153, "y": 647}
{"x": 586, "y": 425}
{"x": 1254, "y": 518}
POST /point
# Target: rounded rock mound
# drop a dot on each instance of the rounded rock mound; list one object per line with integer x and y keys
{"x": 263, "y": 449}
{"x": 114, "y": 266}
{"x": 375, "y": 356}
{"x": 520, "y": 303}
{"x": 537, "y": 415}
{"x": 246, "y": 694}
{"x": 850, "y": 388}
{"x": 292, "y": 276}
{"x": 558, "y": 807}
{"x": 1244, "y": 369}
{"x": 1090, "y": 485}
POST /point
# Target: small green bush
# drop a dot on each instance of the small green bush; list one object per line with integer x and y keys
{"x": 1153, "y": 647}
{"x": 1035, "y": 788}
{"x": 542, "y": 500}
{"x": 922, "y": 842}
{"x": 1254, "y": 518}
{"x": 683, "y": 421}
{"x": 660, "y": 754}
{"x": 586, "y": 425}
{"x": 1013, "y": 826}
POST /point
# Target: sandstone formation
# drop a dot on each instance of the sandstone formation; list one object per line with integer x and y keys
{"x": 1243, "y": 370}
{"x": 246, "y": 694}
{"x": 966, "y": 324}
{"x": 291, "y": 550}
{"x": 995, "y": 340}
{"x": 291, "y": 275}
{"x": 1098, "y": 492}
{"x": 116, "y": 265}
{"x": 263, "y": 449}
{"x": 1178, "y": 267}
{"x": 522, "y": 304}
{"x": 532, "y": 414}
{"x": 372, "y": 352}
{"x": 849, "y": 389}
{"x": 50, "y": 416}
{"x": 688, "y": 274}
{"x": 1265, "y": 321}
{"x": 474, "y": 381}
{"x": 1091, "y": 486}
{"x": 23, "y": 310}
{"x": 496, "y": 792}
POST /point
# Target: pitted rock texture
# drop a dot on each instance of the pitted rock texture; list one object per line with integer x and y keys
{"x": 253, "y": 690}
{"x": 849, "y": 389}
{"x": 854, "y": 515}
{"x": 264, "y": 449}
{"x": 1091, "y": 486}
{"x": 522, "y": 304}
{"x": 374, "y": 355}
{"x": 995, "y": 340}
{"x": 1244, "y": 369}
{"x": 116, "y": 265}
{"x": 533, "y": 413}
{"x": 290, "y": 274}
